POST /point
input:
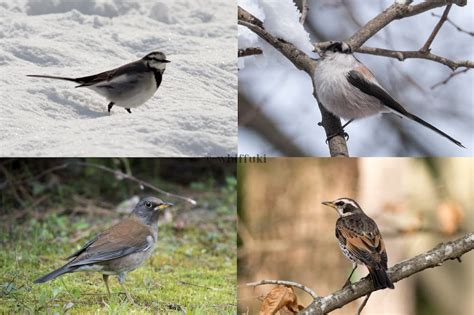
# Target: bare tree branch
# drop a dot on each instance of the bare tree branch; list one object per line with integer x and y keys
{"x": 359, "y": 311}
{"x": 426, "y": 46}
{"x": 332, "y": 124}
{"x": 249, "y": 52}
{"x": 136, "y": 180}
{"x": 304, "y": 11}
{"x": 395, "y": 12}
{"x": 402, "y": 55}
{"x": 455, "y": 25}
{"x": 283, "y": 282}
{"x": 431, "y": 259}
{"x": 450, "y": 77}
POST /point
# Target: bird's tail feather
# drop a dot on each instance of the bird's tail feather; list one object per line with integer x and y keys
{"x": 54, "y": 274}
{"x": 430, "y": 126}
{"x": 380, "y": 278}
{"x": 51, "y": 77}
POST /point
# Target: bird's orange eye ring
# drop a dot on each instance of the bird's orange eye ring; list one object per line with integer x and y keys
{"x": 148, "y": 204}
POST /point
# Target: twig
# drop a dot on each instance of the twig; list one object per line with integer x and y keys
{"x": 395, "y": 12}
{"x": 283, "y": 282}
{"x": 426, "y": 46}
{"x": 249, "y": 52}
{"x": 453, "y": 74}
{"x": 304, "y": 11}
{"x": 455, "y": 25}
{"x": 402, "y": 55}
{"x": 361, "y": 307}
{"x": 136, "y": 180}
{"x": 431, "y": 259}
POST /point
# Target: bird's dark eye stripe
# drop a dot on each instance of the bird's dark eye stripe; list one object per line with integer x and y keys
{"x": 339, "y": 203}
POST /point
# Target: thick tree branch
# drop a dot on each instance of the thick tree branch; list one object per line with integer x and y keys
{"x": 431, "y": 259}
{"x": 337, "y": 145}
{"x": 394, "y": 12}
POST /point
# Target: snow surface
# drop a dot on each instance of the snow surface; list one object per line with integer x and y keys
{"x": 193, "y": 113}
{"x": 281, "y": 19}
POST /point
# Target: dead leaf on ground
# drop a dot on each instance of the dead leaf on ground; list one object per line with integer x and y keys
{"x": 280, "y": 300}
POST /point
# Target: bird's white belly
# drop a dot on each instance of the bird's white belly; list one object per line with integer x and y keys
{"x": 128, "y": 92}
{"x": 340, "y": 97}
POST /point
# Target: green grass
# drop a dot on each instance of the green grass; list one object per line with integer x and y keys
{"x": 192, "y": 270}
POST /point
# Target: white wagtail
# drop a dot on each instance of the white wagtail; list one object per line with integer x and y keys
{"x": 349, "y": 90}
{"x": 127, "y": 86}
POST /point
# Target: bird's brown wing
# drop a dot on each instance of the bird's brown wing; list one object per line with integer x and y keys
{"x": 125, "y": 238}
{"x": 362, "y": 238}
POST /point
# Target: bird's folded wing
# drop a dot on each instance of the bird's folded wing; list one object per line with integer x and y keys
{"x": 357, "y": 80}
{"x": 125, "y": 238}
{"x": 364, "y": 245}
{"x": 107, "y": 76}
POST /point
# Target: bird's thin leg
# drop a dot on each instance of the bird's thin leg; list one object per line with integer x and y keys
{"x": 121, "y": 278}
{"x": 341, "y": 132}
{"x": 348, "y": 281}
{"x": 128, "y": 110}
{"x": 106, "y": 281}
{"x": 109, "y": 107}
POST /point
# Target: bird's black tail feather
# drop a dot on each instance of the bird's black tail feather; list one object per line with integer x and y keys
{"x": 380, "y": 279}
{"x": 51, "y": 77}
{"x": 54, "y": 274}
{"x": 430, "y": 126}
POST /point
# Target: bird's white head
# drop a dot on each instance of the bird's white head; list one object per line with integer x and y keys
{"x": 344, "y": 206}
{"x": 156, "y": 60}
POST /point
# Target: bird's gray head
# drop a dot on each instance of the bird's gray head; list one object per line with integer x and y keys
{"x": 337, "y": 47}
{"x": 156, "y": 61}
{"x": 344, "y": 206}
{"x": 148, "y": 209}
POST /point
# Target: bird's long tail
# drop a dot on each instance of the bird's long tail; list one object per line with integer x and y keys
{"x": 54, "y": 274}
{"x": 430, "y": 126}
{"x": 380, "y": 278}
{"x": 51, "y": 77}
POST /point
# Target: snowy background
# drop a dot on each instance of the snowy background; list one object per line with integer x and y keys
{"x": 193, "y": 113}
{"x": 278, "y": 114}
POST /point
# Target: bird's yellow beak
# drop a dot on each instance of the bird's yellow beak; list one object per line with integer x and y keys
{"x": 329, "y": 204}
{"x": 164, "y": 205}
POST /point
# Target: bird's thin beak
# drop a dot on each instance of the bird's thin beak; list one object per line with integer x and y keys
{"x": 328, "y": 203}
{"x": 165, "y": 61}
{"x": 164, "y": 205}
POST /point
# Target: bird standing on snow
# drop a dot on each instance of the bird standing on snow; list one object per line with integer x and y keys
{"x": 349, "y": 90}
{"x": 128, "y": 86}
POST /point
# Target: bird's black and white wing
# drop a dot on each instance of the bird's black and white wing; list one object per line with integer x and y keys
{"x": 369, "y": 88}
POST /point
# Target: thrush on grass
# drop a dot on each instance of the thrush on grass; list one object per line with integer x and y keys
{"x": 121, "y": 248}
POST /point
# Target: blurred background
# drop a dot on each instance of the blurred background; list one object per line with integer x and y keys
{"x": 278, "y": 115}
{"x": 49, "y": 208}
{"x": 284, "y": 233}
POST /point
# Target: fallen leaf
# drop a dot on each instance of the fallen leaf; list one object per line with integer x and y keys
{"x": 280, "y": 299}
